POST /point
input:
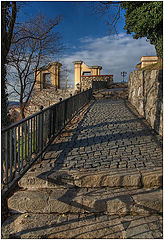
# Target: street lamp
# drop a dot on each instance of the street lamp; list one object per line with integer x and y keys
{"x": 123, "y": 74}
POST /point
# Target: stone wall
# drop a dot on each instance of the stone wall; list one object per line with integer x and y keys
{"x": 86, "y": 81}
{"x": 99, "y": 84}
{"x": 145, "y": 92}
{"x": 45, "y": 98}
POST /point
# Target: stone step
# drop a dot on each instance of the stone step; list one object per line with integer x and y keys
{"x": 142, "y": 177}
{"x": 115, "y": 93}
{"x": 81, "y": 226}
{"x": 119, "y": 201}
{"x": 119, "y": 85}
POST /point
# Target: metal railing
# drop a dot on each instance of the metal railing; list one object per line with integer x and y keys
{"x": 25, "y": 141}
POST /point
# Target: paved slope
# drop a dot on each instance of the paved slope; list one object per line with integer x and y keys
{"x": 101, "y": 178}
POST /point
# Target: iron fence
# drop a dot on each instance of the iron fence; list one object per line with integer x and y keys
{"x": 25, "y": 141}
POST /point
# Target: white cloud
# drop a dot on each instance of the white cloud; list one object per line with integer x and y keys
{"x": 116, "y": 54}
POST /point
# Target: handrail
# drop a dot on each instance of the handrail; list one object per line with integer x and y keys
{"x": 25, "y": 141}
{"x": 34, "y": 114}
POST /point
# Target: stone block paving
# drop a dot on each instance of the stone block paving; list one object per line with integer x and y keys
{"x": 101, "y": 178}
{"x": 110, "y": 135}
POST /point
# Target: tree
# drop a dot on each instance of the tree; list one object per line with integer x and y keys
{"x": 33, "y": 42}
{"x": 110, "y": 10}
{"x": 8, "y": 17}
{"x": 142, "y": 19}
{"x": 64, "y": 76}
{"x": 145, "y": 19}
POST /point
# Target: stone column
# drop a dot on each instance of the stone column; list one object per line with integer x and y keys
{"x": 38, "y": 79}
{"x": 94, "y": 71}
{"x": 53, "y": 75}
{"x": 77, "y": 78}
{"x": 57, "y": 74}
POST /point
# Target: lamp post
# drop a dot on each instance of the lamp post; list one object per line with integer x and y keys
{"x": 123, "y": 74}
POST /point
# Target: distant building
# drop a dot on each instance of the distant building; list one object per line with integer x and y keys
{"x": 146, "y": 60}
{"x": 48, "y": 75}
{"x": 88, "y": 76}
{"x": 81, "y": 69}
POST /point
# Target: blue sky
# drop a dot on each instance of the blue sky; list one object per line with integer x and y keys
{"x": 86, "y": 37}
{"x": 79, "y": 19}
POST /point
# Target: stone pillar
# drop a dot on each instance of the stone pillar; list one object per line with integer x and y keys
{"x": 94, "y": 71}
{"x": 38, "y": 80}
{"x": 58, "y": 77}
{"x": 77, "y": 78}
{"x": 53, "y": 74}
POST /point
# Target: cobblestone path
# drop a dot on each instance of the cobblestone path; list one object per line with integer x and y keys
{"x": 100, "y": 178}
{"x": 110, "y": 135}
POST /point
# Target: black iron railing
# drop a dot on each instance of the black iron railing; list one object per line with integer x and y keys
{"x": 25, "y": 141}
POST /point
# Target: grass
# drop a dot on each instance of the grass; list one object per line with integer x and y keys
{"x": 154, "y": 66}
{"x": 25, "y": 153}
{"x": 24, "y": 157}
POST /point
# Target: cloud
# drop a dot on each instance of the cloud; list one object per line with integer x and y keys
{"x": 115, "y": 54}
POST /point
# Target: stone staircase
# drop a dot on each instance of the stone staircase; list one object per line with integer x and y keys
{"x": 56, "y": 201}
{"x": 72, "y": 195}
{"x": 62, "y": 192}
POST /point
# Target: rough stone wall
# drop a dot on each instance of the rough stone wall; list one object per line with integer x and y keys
{"x": 45, "y": 98}
{"x": 145, "y": 92}
{"x": 99, "y": 84}
{"x": 86, "y": 81}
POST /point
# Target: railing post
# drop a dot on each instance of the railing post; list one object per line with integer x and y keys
{"x": 50, "y": 122}
{"x": 11, "y": 155}
{"x": 59, "y": 117}
{"x": 6, "y": 158}
{"x": 18, "y": 170}
{"x": 41, "y": 130}
{"x": 54, "y": 121}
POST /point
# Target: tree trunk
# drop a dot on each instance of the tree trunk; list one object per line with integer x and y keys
{"x": 22, "y": 110}
{"x": 7, "y": 27}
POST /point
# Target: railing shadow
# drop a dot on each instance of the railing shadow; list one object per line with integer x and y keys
{"x": 45, "y": 175}
{"x": 64, "y": 154}
{"x": 59, "y": 161}
{"x": 88, "y": 224}
{"x": 123, "y": 197}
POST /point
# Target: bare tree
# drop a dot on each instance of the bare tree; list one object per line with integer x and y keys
{"x": 110, "y": 10}
{"x": 33, "y": 42}
{"x": 65, "y": 75}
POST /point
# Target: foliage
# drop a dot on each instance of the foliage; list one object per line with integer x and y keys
{"x": 8, "y": 17}
{"x": 33, "y": 42}
{"x": 154, "y": 66}
{"x": 145, "y": 19}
